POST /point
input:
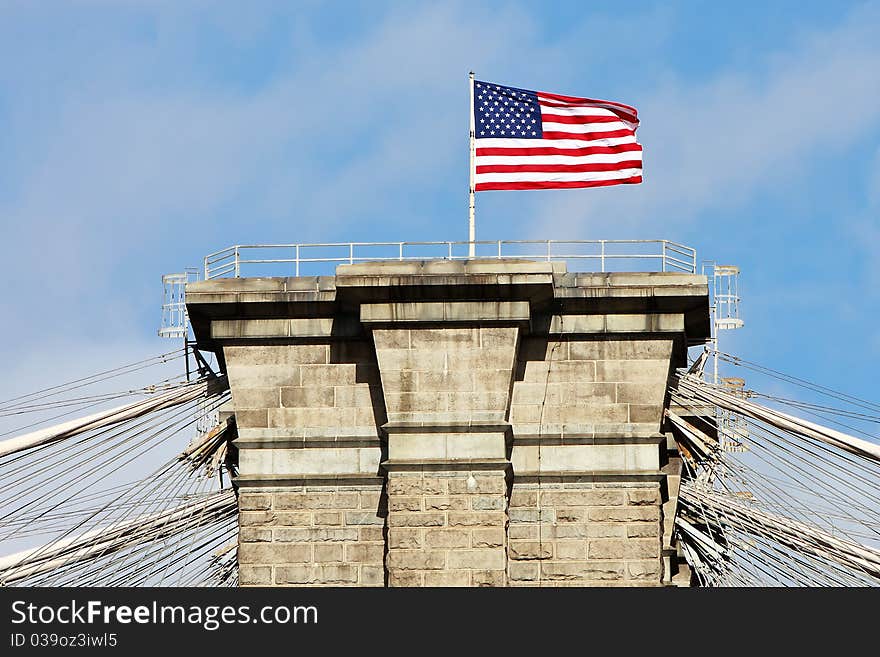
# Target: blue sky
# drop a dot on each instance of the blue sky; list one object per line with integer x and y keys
{"x": 139, "y": 136}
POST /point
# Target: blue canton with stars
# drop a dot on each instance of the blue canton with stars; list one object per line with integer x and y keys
{"x": 506, "y": 112}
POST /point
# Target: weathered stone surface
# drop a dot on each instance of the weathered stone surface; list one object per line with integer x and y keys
{"x": 485, "y": 559}
{"x": 416, "y": 560}
{"x": 582, "y": 570}
{"x": 406, "y": 578}
{"x": 476, "y": 519}
{"x": 401, "y": 503}
{"x": 583, "y": 498}
{"x": 571, "y": 550}
{"x": 522, "y": 531}
{"x": 405, "y": 539}
{"x": 445, "y": 503}
{"x": 274, "y": 553}
{"x": 364, "y": 553}
{"x": 317, "y": 574}
{"x": 492, "y": 537}
{"x": 632, "y": 514}
{"x": 329, "y": 553}
{"x": 646, "y": 569}
{"x": 372, "y": 576}
{"x": 448, "y": 578}
{"x": 254, "y": 534}
{"x": 254, "y": 501}
{"x": 488, "y": 578}
{"x": 327, "y": 518}
{"x": 330, "y": 500}
{"x": 447, "y": 538}
{"x": 447, "y": 345}
{"x": 478, "y": 484}
{"x": 416, "y": 519}
{"x": 643, "y": 530}
{"x": 254, "y": 575}
{"x": 635, "y": 548}
{"x": 363, "y": 518}
{"x": 316, "y": 534}
{"x": 643, "y": 497}
{"x": 523, "y": 498}
{"x": 523, "y": 550}
{"x": 523, "y": 571}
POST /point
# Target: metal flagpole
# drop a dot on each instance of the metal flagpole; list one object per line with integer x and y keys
{"x": 473, "y": 174}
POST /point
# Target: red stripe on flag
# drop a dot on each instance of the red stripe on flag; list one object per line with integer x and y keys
{"x": 547, "y": 150}
{"x": 558, "y": 118}
{"x": 559, "y": 168}
{"x": 484, "y": 187}
{"x": 577, "y": 100}
{"x": 588, "y": 136}
{"x": 557, "y": 100}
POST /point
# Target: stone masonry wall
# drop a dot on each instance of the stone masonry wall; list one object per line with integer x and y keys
{"x": 313, "y": 535}
{"x": 446, "y": 529}
{"x": 443, "y": 375}
{"x": 592, "y": 385}
{"x": 308, "y": 391}
{"x": 584, "y": 534}
{"x": 581, "y": 404}
{"x": 489, "y": 422}
{"x": 306, "y": 414}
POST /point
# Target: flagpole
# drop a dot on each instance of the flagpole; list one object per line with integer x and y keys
{"x": 473, "y": 174}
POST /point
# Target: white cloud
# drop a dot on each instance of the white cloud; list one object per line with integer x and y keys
{"x": 125, "y": 173}
{"x": 120, "y": 175}
{"x": 716, "y": 144}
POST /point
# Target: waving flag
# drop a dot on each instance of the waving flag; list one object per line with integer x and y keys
{"x": 537, "y": 140}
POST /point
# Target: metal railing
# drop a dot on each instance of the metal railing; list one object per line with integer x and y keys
{"x": 581, "y": 255}
{"x": 175, "y": 321}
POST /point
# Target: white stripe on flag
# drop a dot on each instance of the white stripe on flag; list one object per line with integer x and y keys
{"x": 493, "y": 142}
{"x": 537, "y": 176}
{"x": 585, "y": 127}
{"x": 577, "y": 111}
{"x": 599, "y": 158}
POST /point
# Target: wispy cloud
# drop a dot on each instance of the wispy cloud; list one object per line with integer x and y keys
{"x": 141, "y": 135}
{"x": 719, "y": 143}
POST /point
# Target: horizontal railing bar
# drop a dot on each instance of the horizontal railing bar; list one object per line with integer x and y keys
{"x": 220, "y": 271}
{"x": 220, "y": 261}
{"x": 672, "y": 255}
{"x": 226, "y": 263}
{"x": 230, "y": 250}
{"x": 571, "y": 256}
{"x": 443, "y": 243}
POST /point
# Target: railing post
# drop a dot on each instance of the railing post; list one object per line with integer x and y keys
{"x": 602, "y": 244}
{"x": 548, "y": 250}
{"x": 351, "y": 253}
{"x": 449, "y": 250}
{"x": 499, "y": 249}
{"x": 664, "y": 255}
{"x": 297, "y": 259}
{"x": 401, "y": 251}
{"x": 206, "y": 268}
{"x": 237, "y": 264}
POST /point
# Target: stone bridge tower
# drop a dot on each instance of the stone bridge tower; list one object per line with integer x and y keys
{"x": 437, "y": 423}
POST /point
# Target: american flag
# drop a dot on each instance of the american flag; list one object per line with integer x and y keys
{"x": 537, "y": 140}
